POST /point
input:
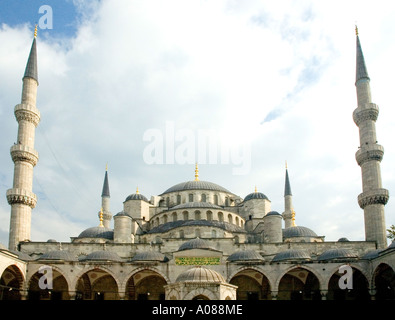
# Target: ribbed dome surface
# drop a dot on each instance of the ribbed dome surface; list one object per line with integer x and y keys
{"x": 256, "y": 195}
{"x": 200, "y": 274}
{"x": 150, "y": 256}
{"x": 196, "y": 243}
{"x": 291, "y": 254}
{"x": 196, "y": 205}
{"x": 196, "y": 185}
{"x": 298, "y": 231}
{"x": 245, "y": 255}
{"x": 136, "y": 196}
{"x": 58, "y": 255}
{"x": 331, "y": 254}
{"x": 102, "y": 255}
{"x": 97, "y": 232}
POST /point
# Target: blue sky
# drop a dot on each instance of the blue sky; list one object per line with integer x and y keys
{"x": 267, "y": 81}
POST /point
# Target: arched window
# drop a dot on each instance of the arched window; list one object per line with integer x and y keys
{"x": 165, "y": 218}
{"x": 157, "y": 222}
{"x": 185, "y": 215}
{"x": 182, "y": 234}
{"x": 167, "y": 202}
{"x": 174, "y": 216}
{"x": 226, "y": 201}
{"x": 197, "y": 215}
{"x": 215, "y": 199}
{"x": 230, "y": 218}
{"x": 237, "y": 221}
{"x": 178, "y": 199}
{"x": 220, "y": 216}
{"x": 190, "y": 197}
{"x": 209, "y": 215}
{"x": 203, "y": 198}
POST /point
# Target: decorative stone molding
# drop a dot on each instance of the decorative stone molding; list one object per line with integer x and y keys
{"x": 28, "y": 113}
{"x": 21, "y": 152}
{"x": 363, "y": 114}
{"x": 367, "y": 153}
{"x": 21, "y": 196}
{"x": 377, "y": 196}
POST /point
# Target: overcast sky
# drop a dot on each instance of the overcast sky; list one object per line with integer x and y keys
{"x": 143, "y": 85}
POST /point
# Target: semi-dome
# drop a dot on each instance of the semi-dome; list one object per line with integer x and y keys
{"x": 196, "y": 185}
{"x": 97, "y": 232}
{"x": 298, "y": 231}
{"x": 200, "y": 274}
{"x": 58, "y": 255}
{"x": 136, "y": 196}
{"x": 245, "y": 256}
{"x": 256, "y": 195}
{"x": 273, "y": 213}
{"x": 149, "y": 256}
{"x": 291, "y": 255}
{"x": 343, "y": 239}
{"x": 102, "y": 255}
{"x": 338, "y": 253}
{"x": 196, "y": 243}
{"x": 196, "y": 205}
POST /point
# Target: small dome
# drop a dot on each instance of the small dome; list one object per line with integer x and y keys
{"x": 97, "y": 232}
{"x": 273, "y": 213}
{"x": 136, "y": 196}
{"x": 196, "y": 185}
{"x": 298, "y": 231}
{"x": 51, "y": 240}
{"x": 371, "y": 254}
{"x": 332, "y": 254}
{"x": 255, "y": 195}
{"x": 196, "y": 205}
{"x": 122, "y": 214}
{"x": 150, "y": 256}
{"x": 102, "y": 255}
{"x": 196, "y": 243}
{"x": 343, "y": 240}
{"x": 291, "y": 255}
{"x": 63, "y": 255}
{"x": 245, "y": 255}
{"x": 200, "y": 274}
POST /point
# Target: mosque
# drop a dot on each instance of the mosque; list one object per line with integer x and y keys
{"x": 197, "y": 240}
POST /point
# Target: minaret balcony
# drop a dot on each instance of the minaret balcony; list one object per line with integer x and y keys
{"x": 376, "y": 196}
{"x": 368, "y": 112}
{"x": 27, "y": 112}
{"x": 21, "y": 196}
{"x": 20, "y": 152}
{"x": 369, "y": 152}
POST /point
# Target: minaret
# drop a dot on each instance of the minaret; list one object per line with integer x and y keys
{"x": 105, "y": 202}
{"x": 288, "y": 214}
{"x": 373, "y": 197}
{"x": 25, "y": 157}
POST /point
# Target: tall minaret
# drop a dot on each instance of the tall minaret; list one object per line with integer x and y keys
{"x": 21, "y": 197}
{"x": 288, "y": 214}
{"x": 105, "y": 202}
{"x": 373, "y": 197}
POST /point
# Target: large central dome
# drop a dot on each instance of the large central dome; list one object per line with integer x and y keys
{"x": 196, "y": 185}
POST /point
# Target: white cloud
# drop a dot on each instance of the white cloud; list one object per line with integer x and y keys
{"x": 226, "y": 66}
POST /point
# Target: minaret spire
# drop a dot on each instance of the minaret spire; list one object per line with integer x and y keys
{"x": 105, "y": 214}
{"x": 196, "y": 172}
{"x": 289, "y": 213}
{"x": 373, "y": 197}
{"x": 25, "y": 157}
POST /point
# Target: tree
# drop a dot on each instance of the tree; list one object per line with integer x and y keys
{"x": 391, "y": 233}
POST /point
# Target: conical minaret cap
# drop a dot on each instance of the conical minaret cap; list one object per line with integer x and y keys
{"x": 287, "y": 189}
{"x": 106, "y": 187}
{"x": 361, "y": 70}
{"x": 31, "y": 66}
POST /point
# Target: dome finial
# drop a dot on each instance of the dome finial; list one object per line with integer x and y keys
{"x": 35, "y": 31}
{"x": 256, "y": 190}
{"x": 101, "y": 217}
{"x": 293, "y": 218}
{"x": 137, "y": 190}
{"x": 356, "y": 30}
{"x": 196, "y": 172}
{"x": 107, "y": 166}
